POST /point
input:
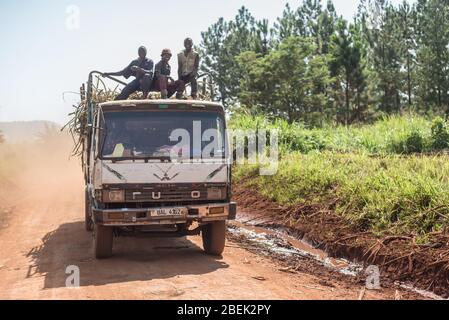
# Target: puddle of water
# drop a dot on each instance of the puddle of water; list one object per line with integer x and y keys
{"x": 281, "y": 243}
{"x": 424, "y": 293}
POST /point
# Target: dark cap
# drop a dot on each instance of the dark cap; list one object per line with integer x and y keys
{"x": 166, "y": 51}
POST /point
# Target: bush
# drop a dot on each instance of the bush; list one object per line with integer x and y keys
{"x": 391, "y": 135}
{"x": 413, "y": 142}
{"x": 440, "y": 134}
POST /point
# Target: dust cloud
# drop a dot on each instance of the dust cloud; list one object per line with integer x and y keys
{"x": 41, "y": 170}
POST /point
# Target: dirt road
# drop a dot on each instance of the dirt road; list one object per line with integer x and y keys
{"x": 44, "y": 234}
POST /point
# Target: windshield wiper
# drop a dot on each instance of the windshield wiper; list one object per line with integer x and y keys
{"x": 146, "y": 159}
{"x": 162, "y": 159}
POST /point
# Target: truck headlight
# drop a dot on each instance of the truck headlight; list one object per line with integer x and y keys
{"x": 113, "y": 196}
{"x": 216, "y": 193}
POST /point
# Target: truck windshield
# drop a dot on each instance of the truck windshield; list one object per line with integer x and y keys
{"x": 162, "y": 134}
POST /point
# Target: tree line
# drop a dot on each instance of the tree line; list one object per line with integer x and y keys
{"x": 312, "y": 65}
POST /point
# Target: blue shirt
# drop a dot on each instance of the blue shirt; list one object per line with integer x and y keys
{"x": 146, "y": 64}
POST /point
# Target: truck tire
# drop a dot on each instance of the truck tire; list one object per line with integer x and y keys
{"x": 214, "y": 237}
{"x": 103, "y": 238}
{"x": 88, "y": 222}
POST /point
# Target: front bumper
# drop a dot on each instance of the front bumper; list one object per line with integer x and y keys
{"x": 143, "y": 217}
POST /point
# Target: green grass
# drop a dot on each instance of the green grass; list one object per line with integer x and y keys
{"x": 392, "y": 135}
{"x": 392, "y": 193}
{"x": 376, "y": 174}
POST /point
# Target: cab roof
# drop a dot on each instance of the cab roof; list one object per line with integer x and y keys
{"x": 196, "y": 105}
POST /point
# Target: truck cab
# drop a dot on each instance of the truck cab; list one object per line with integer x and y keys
{"x": 158, "y": 168}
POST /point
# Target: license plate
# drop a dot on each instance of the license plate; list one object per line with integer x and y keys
{"x": 169, "y": 212}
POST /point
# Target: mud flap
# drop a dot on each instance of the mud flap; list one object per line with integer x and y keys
{"x": 232, "y": 211}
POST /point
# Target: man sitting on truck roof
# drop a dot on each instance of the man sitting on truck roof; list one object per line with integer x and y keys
{"x": 162, "y": 80}
{"x": 142, "y": 70}
{"x": 188, "y": 65}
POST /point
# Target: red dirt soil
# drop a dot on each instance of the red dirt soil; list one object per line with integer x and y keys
{"x": 400, "y": 258}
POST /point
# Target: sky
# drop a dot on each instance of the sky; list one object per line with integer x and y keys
{"x": 48, "y": 47}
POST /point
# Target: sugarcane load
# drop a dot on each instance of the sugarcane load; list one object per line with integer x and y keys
{"x": 156, "y": 160}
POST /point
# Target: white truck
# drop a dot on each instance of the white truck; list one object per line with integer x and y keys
{"x": 140, "y": 180}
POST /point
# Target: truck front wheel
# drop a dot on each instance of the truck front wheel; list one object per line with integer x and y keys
{"x": 214, "y": 237}
{"x": 103, "y": 238}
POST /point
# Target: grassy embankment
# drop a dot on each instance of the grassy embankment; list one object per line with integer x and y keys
{"x": 387, "y": 177}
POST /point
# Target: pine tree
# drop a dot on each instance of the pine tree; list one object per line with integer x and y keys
{"x": 224, "y": 41}
{"x": 389, "y": 59}
{"x": 287, "y": 82}
{"x": 407, "y": 27}
{"x": 262, "y": 38}
{"x": 326, "y": 27}
{"x": 382, "y": 33}
{"x": 309, "y": 12}
{"x": 433, "y": 55}
{"x": 348, "y": 69}
{"x": 287, "y": 25}
{"x": 216, "y": 60}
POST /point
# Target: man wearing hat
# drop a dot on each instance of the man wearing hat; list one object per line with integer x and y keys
{"x": 142, "y": 70}
{"x": 188, "y": 65}
{"x": 162, "y": 80}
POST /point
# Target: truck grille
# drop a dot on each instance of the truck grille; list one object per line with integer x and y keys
{"x": 166, "y": 195}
